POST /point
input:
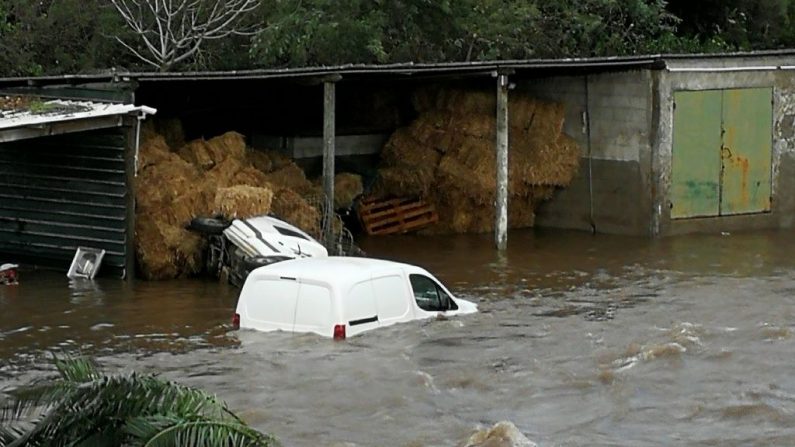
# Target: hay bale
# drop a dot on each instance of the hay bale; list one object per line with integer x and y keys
{"x": 403, "y": 181}
{"x": 290, "y": 177}
{"x": 189, "y": 253}
{"x": 153, "y": 150}
{"x": 292, "y": 208}
{"x": 165, "y": 181}
{"x": 155, "y": 259}
{"x": 250, "y": 176}
{"x": 278, "y": 160}
{"x": 403, "y": 148}
{"x": 550, "y": 163}
{"x": 166, "y": 251}
{"x": 228, "y": 145}
{"x": 260, "y": 160}
{"x": 197, "y": 153}
{"x": 243, "y": 201}
{"x": 347, "y": 187}
{"x": 466, "y": 102}
{"x": 206, "y": 154}
{"x": 194, "y": 203}
{"x": 223, "y": 173}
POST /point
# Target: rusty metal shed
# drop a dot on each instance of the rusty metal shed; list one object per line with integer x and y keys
{"x": 66, "y": 170}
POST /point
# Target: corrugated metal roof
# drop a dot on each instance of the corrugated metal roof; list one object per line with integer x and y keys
{"x": 33, "y": 113}
{"x": 402, "y": 70}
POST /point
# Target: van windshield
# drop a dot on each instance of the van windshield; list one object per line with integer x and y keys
{"x": 429, "y": 296}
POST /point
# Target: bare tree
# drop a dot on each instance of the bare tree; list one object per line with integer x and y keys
{"x": 173, "y": 31}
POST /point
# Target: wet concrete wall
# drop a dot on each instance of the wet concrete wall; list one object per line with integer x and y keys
{"x": 610, "y": 115}
{"x": 709, "y": 74}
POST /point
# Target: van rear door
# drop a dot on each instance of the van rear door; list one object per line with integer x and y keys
{"x": 271, "y": 304}
{"x": 392, "y": 299}
{"x": 359, "y": 309}
{"x": 313, "y": 311}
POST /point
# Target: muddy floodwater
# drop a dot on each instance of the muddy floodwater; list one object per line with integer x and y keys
{"x": 581, "y": 340}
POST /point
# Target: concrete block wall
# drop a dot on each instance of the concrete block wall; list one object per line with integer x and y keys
{"x": 611, "y": 193}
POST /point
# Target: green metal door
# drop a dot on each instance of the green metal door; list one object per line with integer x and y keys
{"x": 696, "y": 163}
{"x": 746, "y": 150}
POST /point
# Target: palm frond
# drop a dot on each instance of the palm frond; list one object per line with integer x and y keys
{"x": 87, "y": 408}
{"x": 160, "y": 431}
{"x": 109, "y": 401}
{"x": 23, "y": 402}
{"x": 77, "y": 369}
{"x": 10, "y": 432}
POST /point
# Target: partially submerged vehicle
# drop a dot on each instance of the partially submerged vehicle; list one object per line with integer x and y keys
{"x": 242, "y": 245}
{"x": 341, "y": 296}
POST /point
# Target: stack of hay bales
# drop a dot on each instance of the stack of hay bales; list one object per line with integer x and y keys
{"x": 208, "y": 178}
{"x": 447, "y": 156}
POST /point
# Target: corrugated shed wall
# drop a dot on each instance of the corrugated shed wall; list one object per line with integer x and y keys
{"x": 58, "y": 193}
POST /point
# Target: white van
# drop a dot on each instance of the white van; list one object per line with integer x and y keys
{"x": 341, "y": 296}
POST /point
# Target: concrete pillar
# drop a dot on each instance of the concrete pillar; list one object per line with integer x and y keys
{"x": 329, "y": 131}
{"x": 501, "y": 204}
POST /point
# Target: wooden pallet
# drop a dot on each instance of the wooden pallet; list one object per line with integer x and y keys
{"x": 392, "y": 216}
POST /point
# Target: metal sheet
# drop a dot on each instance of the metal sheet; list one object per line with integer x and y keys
{"x": 696, "y": 163}
{"x": 746, "y": 151}
{"x": 59, "y": 193}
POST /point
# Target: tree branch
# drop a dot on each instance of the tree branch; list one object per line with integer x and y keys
{"x": 173, "y": 31}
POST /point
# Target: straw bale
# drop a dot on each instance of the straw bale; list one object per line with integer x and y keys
{"x": 479, "y": 126}
{"x": 290, "y": 177}
{"x": 153, "y": 150}
{"x": 180, "y": 210}
{"x": 521, "y": 212}
{"x": 166, "y": 180}
{"x": 259, "y": 160}
{"x": 403, "y": 149}
{"x": 243, "y": 201}
{"x": 460, "y": 125}
{"x": 250, "y": 176}
{"x": 464, "y": 102}
{"x": 278, "y": 160}
{"x": 400, "y": 181}
{"x": 228, "y": 145}
{"x": 552, "y": 163}
{"x": 197, "y": 153}
{"x": 347, "y": 187}
{"x": 166, "y": 251}
{"x": 189, "y": 253}
{"x": 155, "y": 259}
{"x": 224, "y": 172}
{"x": 522, "y": 111}
{"x": 291, "y": 207}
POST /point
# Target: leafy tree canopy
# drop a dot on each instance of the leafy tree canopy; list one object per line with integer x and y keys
{"x": 67, "y": 36}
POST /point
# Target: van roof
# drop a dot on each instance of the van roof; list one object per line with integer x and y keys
{"x": 331, "y": 269}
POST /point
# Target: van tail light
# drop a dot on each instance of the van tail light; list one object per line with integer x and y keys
{"x": 236, "y": 321}
{"x": 339, "y": 332}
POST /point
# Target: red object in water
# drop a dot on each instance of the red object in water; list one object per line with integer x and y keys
{"x": 236, "y": 321}
{"x": 339, "y": 332}
{"x": 9, "y": 275}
